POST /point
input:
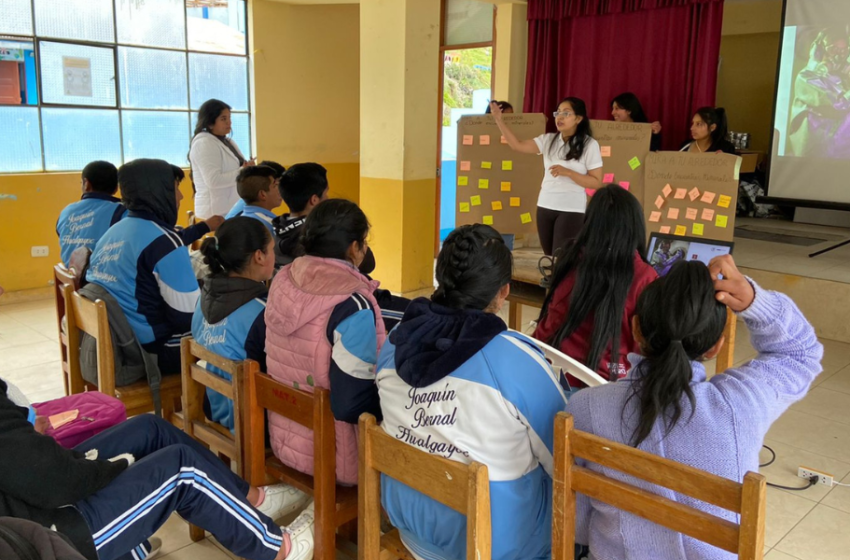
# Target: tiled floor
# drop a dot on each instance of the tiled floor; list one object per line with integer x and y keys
{"x": 809, "y": 525}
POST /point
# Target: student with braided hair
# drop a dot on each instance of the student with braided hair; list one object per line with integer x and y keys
{"x": 453, "y": 381}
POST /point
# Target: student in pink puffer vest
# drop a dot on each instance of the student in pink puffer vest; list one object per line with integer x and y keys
{"x": 324, "y": 329}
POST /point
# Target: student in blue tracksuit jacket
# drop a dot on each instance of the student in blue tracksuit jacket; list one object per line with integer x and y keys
{"x": 279, "y": 170}
{"x": 454, "y": 382}
{"x": 142, "y": 262}
{"x": 230, "y": 317}
{"x": 257, "y": 187}
{"x": 83, "y": 223}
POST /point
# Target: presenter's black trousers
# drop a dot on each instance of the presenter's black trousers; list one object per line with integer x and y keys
{"x": 556, "y": 228}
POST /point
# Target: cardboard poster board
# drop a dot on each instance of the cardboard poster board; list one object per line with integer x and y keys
{"x": 496, "y": 185}
{"x": 624, "y": 148}
{"x": 692, "y": 195}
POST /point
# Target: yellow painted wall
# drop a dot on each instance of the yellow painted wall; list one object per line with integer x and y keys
{"x": 511, "y": 53}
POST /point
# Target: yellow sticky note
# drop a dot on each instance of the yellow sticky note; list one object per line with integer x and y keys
{"x": 487, "y": 220}
{"x": 507, "y": 165}
{"x": 483, "y": 183}
{"x": 484, "y": 140}
{"x": 506, "y": 186}
{"x": 486, "y": 165}
{"x": 496, "y": 205}
{"x": 697, "y": 229}
{"x": 721, "y": 221}
{"x": 605, "y": 151}
{"x": 462, "y": 181}
{"x": 655, "y": 217}
{"x": 514, "y": 201}
{"x": 673, "y": 214}
{"x": 680, "y": 230}
{"x": 724, "y": 201}
{"x": 525, "y": 218}
{"x": 691, "y": 213}
{"x": 464, "y": 207}
{"x": 634, "y": 163}
{"x": 475, "y": 200}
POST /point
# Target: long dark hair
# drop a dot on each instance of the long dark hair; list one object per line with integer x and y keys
{"x": 629, "y": 102}
{"x": 208, "y": 113}
{"x": 472, "y": 267}
{"x": 602, "y": 258}
{"x": 680, "y": 320}
{"x": 715, "y": 115}
{"x": 235, "y": 242}
{"x": 575, "y": 148}
{"x": 331, "y": 227}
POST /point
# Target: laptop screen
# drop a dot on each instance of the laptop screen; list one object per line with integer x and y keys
{"x": 666, "y": 250}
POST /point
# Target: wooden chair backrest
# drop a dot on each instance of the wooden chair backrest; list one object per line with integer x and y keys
{"x": 464, "y": 488}
{"x": 747, "y": 499}
{"x": 90, "y": 317}
{"x": 195, "y": 380}
{"x": 192, "y": 220}
{"x": 62, "y": 276}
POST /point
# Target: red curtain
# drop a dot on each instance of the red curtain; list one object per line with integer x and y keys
{"x": 664, "y": 51}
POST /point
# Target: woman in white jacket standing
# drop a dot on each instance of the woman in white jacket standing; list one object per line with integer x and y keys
{"x": 216, "y": 161}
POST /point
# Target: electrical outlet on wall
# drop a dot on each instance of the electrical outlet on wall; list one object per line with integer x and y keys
{"x": 807, "y": 473}
{"x": 40, "y": 251}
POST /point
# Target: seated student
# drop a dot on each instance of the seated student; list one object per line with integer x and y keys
{"x": 626, "y": 107}
{"x": 83, "y": 223}
{"x": 324, "y": 329}
{"x": 708, "y": 132}
{"x": 98, "y": 495}
{"x": 257, "y": 186}
{"x": 588, "y": 311}
{"x": 665, "y": 405}
{"x": 453, "y": 381}
{"x": 142, "y": 262}
{"x": 240, "y": 204}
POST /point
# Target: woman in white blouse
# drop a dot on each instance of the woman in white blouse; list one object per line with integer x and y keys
{"x": 573, "y": 163}
{"x": 216, "y": 161}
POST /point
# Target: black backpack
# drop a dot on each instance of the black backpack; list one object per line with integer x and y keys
{"x": 21, "y": 539}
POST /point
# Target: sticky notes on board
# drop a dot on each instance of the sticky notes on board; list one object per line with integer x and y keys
{"x": 721, "y": 221}
{"x": 680, "y": 194}
{"x": 625, "y": 184}
{"x": 507, "y": 165}
{"x": 698, "y": 229}
{"x": 664, "y": 229}
{"x": 465, "y": 166}
{"x": 680, "y": 230}
{"x": 724, "y": 201}
{"x": 506, "y": 186}
{"x": 693, "y": 194}
{"x": 467, "y": 140}
{"x": 486, "y": 165}
{"x": 708, "y": 197}
{"x": 525, "y": 218}
{"x": 464, "y": 207}
{"x": 666, "y": 190}
{"x": 691, "y": 213}
{"x": 606, "y": 151}
{"x": 484, "y": 140}
{"x": 483, "y": 183}
{"x": 487, "y": 220}
{"x": 659, "y": 202}
{"x": 514, "y": 201}
{"x": 655, "y": 217}
{"x": 462, "y": 181}
{"x": 496, "y": 205}
{"x": 608, "y": 178}
{"x": 634, "y": 163}
{"x": 707, "y": 215}
{"x": 475, "y": 200}
{"x": 504, "y": 140}
{"x": 673, "y": 214}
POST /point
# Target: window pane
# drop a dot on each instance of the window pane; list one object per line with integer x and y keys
{"x": 219, "y": 77}
{"x": 17, "y": 79}
{"x": 158, "y": 23}
{"x": 468, "y": 21}
{"x": 155, "y": 134}
{"x": 17, "y": 17}
{"x": 74, "y": 137}
{"x": 240, "y": 133}
{"x": 88, "y": 20}
{"x": 152, "y": 79}
{"x": 217, "y": 28}
{"x": 20, "y": 143}
{"x": 77, "y": 74}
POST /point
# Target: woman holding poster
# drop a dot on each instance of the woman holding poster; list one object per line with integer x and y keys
{"x": 573, "y": 163}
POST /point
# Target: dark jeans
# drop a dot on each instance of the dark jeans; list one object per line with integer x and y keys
{"x": 557, "y": 228}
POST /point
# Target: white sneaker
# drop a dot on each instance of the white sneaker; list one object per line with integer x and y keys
{"x": 156, "y": 546}
{"x": 301, "y": 535}
{"x": 281, "y": 500}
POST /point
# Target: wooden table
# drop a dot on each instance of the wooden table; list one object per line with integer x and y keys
{"x": 526, "y": 290}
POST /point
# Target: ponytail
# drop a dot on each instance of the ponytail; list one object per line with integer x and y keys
{"x": 235, "y": 242}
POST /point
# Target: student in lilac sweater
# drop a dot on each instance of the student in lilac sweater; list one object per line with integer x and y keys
{"x": 665, "y": 405}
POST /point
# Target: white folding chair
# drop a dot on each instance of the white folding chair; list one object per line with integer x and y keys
{"x": 563, "y": 363}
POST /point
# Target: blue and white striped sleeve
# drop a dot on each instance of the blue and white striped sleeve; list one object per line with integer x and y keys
{"x": 178, "y": 288}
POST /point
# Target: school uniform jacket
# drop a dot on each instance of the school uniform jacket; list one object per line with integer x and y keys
{"x": 83, "y": 223}
{"x": 458, "y": 384}
{"x": 264, "y": 216}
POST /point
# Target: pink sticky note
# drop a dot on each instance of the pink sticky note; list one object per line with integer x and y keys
{"x": 465, "y": 166}
{"x": 707, "y": 214}
{"x": 484, "y": 140}
{"x": 693, "y": 194}
{"x": 664, "y": 229}
{"x": 707, "y": 197}
{"x": 625, "y": 184}
{"x": 691, "y": 214}
{"x": 467, "y": 140}
{"x": 680, "y": 194}
{"x": 606, "y": 151}
{"x": 589, "y": 192}
{"x": 659, "y": 202}
{"x": 608, "y": 178}
{"x": 504, "y": 140}
{"x": 655, "y": 217}
{"x": 666, "y": 190}
{"x": 673, "y": 214}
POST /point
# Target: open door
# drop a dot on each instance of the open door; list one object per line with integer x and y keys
{"x": 10, "y": 83}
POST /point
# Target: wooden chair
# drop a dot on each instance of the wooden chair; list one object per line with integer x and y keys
{"x": 748, "y": 499}
{"x": 90, "y": 317}
{"x": 192, "y": 220}
{"x": 62, "y": 277}
{"x": 464, "y": 488}
{"x": 336, "y": 506}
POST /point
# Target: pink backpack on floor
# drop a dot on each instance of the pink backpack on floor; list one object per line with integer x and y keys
{"x": 96, "y": 413}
